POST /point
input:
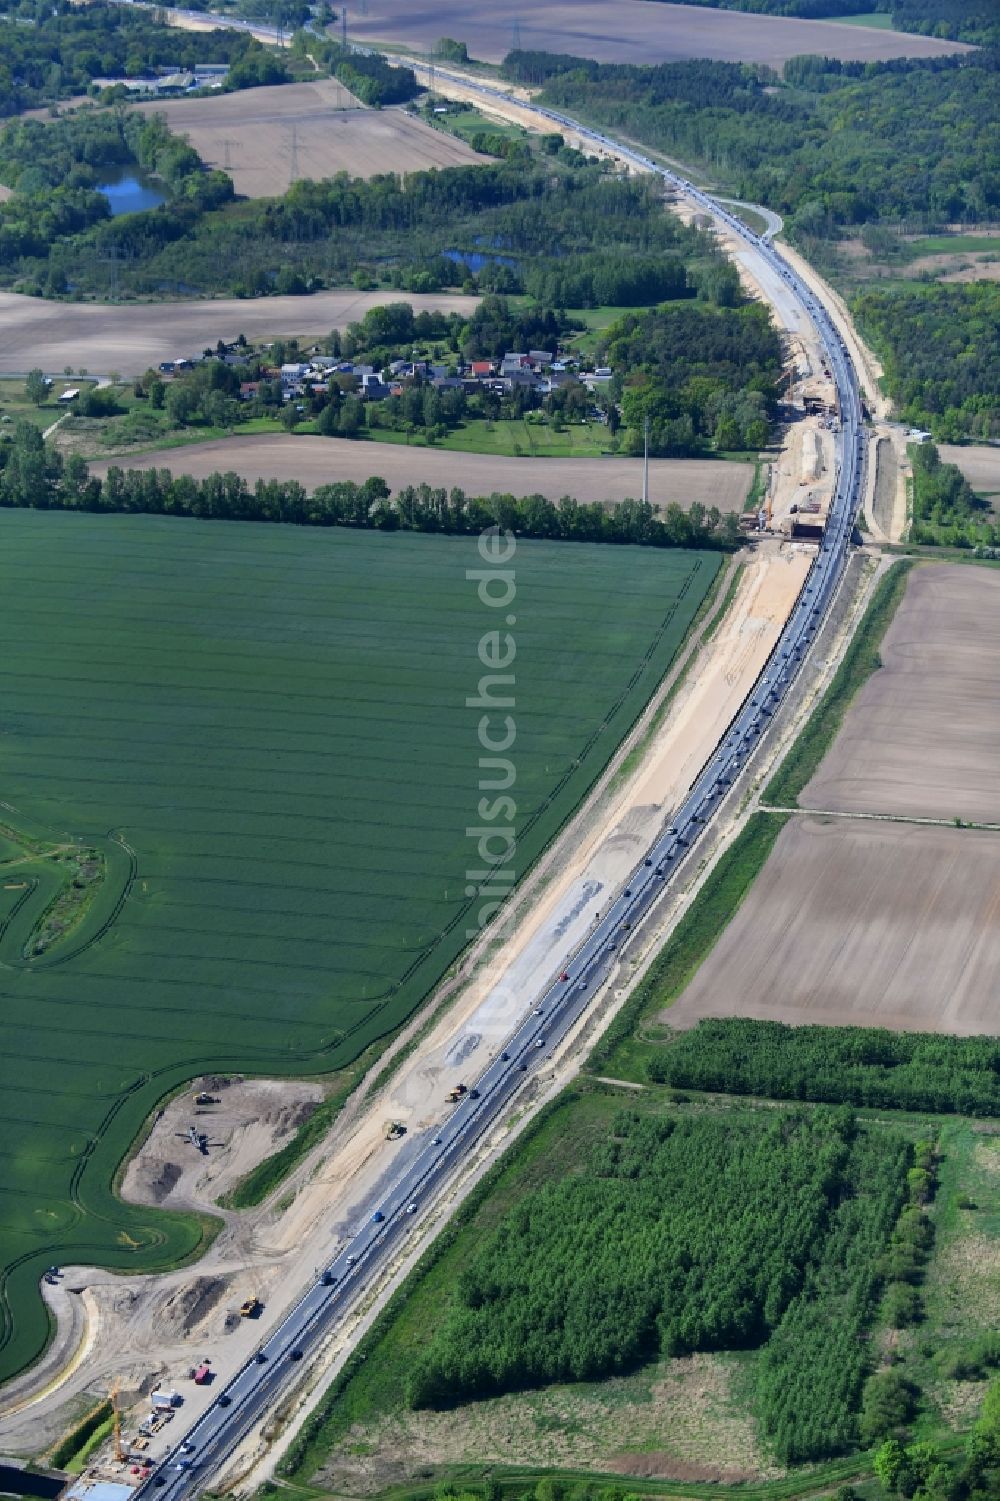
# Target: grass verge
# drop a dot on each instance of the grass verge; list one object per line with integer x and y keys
{"x": 79, "y": 1440}
{"x": 861, "y": 659}
{"x": 624, "y": 1049}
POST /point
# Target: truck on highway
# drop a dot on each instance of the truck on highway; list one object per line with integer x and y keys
{"x": 456, "y": 1094}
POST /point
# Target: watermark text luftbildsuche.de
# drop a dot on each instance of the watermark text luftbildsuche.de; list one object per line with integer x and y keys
{"x": 491, "y": 880}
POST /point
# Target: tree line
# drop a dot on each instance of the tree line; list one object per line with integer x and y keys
{"x": 865, "y": 1066}
{"x": 34, "y": 474}
{"x": 967, "y": 20}
{"x": 369, "y": 76}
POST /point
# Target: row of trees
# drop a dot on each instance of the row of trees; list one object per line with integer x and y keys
{"x": 855, "y": 1065}
{"x": 702, "y": 1233}
{"x": 33, "y": 474}
{"x": 369, "y": 76}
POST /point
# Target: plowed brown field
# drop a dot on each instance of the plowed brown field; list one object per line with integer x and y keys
{"x": 319, "y": 461}
{"x": 258, "y": 135}
{"x": 132, "y": 336}
{"x": 862, "y": 923}
{"x": 922, "y": 738}
{"x": 630, "y": 31}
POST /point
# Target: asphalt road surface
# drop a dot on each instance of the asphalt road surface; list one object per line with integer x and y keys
{"x": 381, "y": 1235}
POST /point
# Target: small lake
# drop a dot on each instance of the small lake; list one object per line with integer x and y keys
{"x": 128, "y": 191}
{"x": 477, "y": 259}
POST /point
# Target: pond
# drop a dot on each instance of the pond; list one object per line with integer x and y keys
{"x": 128, "y": 190}
{"x": 475, "y": 260}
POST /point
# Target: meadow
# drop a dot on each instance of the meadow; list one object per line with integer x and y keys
{"x": 272, "y": 726}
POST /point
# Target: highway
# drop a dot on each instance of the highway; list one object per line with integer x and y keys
{"x": 383, "y": 1229}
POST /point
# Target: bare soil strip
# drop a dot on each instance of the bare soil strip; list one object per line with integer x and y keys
{"x": 632, "y": 31}
{"x": 259, "y": 135}
{"x": 320, "y": 461}
{"x": 95, "y": 337}
{"x": 921, "y": 737}
{"x": 864, "y": 923}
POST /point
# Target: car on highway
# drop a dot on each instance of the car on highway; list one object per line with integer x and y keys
{"x": 312, "y": 1318}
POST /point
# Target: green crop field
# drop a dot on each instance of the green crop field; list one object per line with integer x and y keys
{"x": 237, "y": 770}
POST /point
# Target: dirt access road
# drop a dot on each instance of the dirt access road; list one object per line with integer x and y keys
{"x": 130, "y": 337}
{"x": 257, "y": 135}
{"x": 319, "y": 461}
{"x": 630, "y": 31}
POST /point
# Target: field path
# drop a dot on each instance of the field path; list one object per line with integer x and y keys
{"x": 130, "y": 337}
{"x": 318, "y": 461}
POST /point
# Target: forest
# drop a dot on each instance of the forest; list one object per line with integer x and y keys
{"x": 837, "y": 144}
{"x": 940, "y": 349}
{"x": 946, "y": 509}
{"x": 572, "y": 235}
{"x": 34, "y": 474}
{"x": 701, "y": 1232}
{"x": 52, "y": 51}
{"x": 838, "y": 148}
{"x": 863, "y": 1066}
{"x": 699, "y": 379}
{"x": 55, "y": 167}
